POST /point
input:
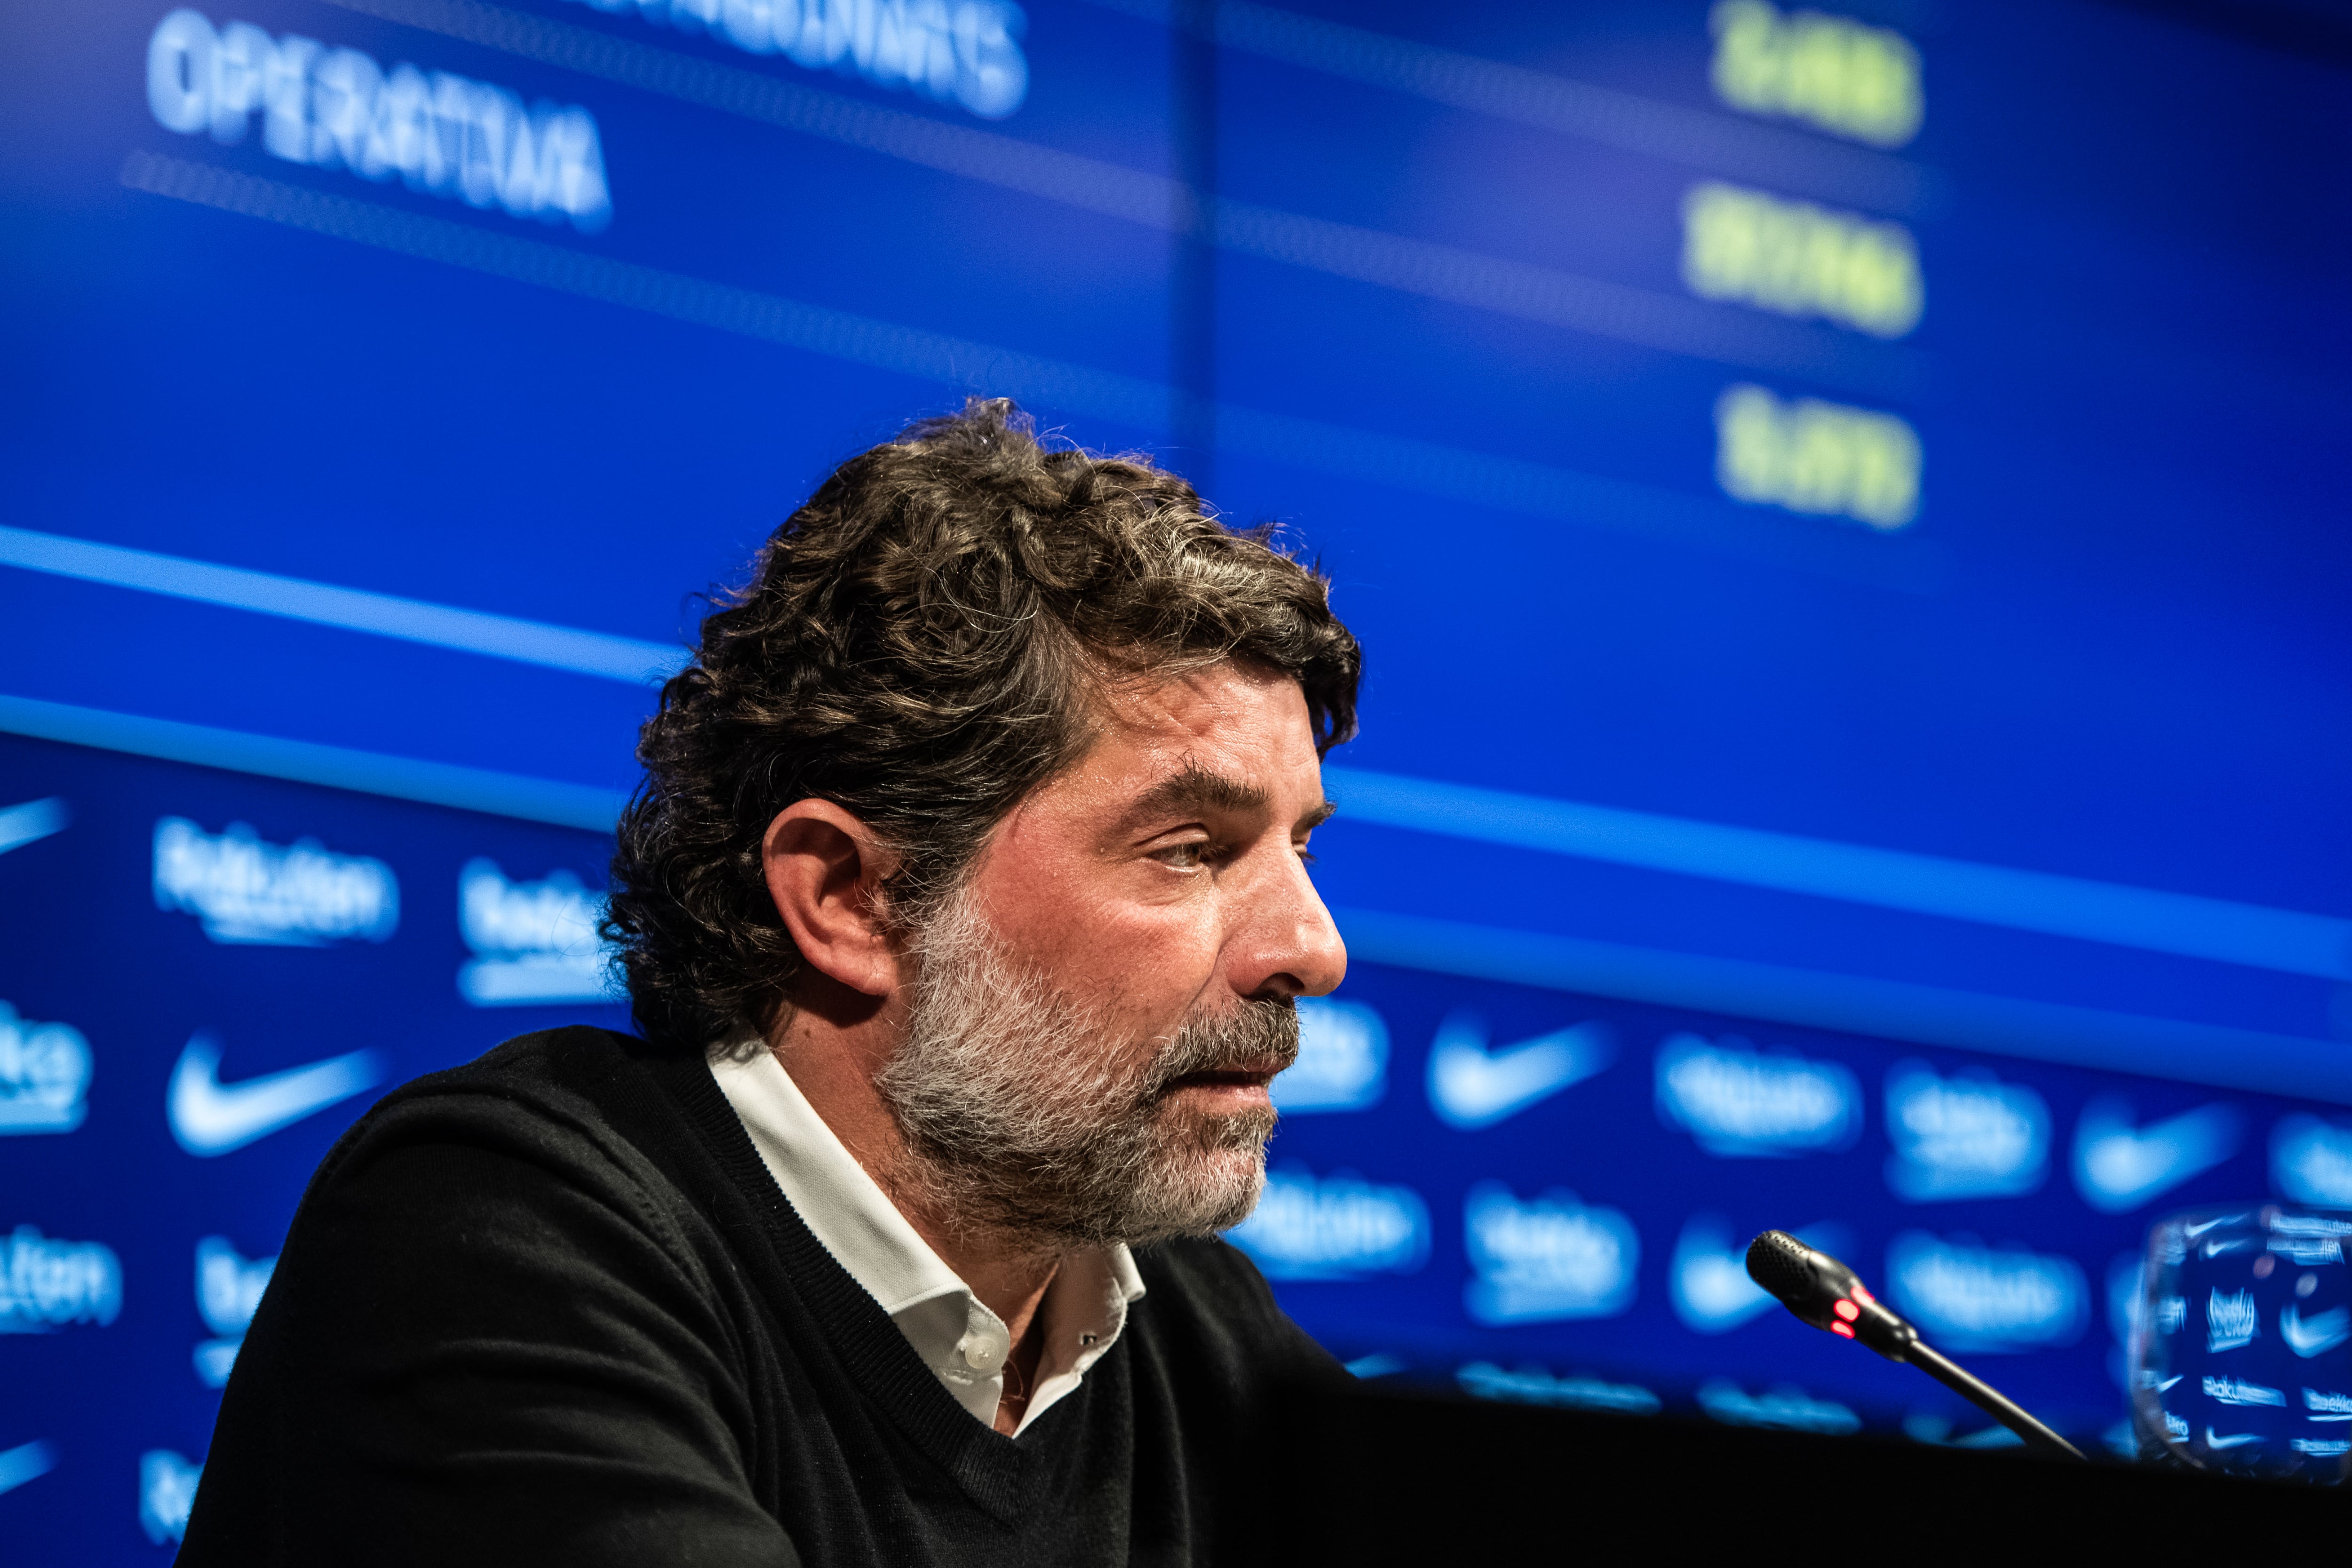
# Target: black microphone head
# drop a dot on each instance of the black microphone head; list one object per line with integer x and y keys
{"x": 1807, "y": 1280}
{"x": 1784, "y": 1267}
{"x": 1824, "y": 1293}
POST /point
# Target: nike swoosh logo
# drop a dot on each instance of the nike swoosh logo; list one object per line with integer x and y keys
{"x": 2194, "y": 1231}
{"x": 209, "y": 1117}
{"x": 29, "y": 823}
{"x": 25, "y": 1463}
{"x": 1471, "y": 1087}
{"x": 2314, "y": 1335}
{"x": 2234, "y": 1441}
{"x": 2119, "y": 1167}
{"x": 2171, "y": 1381}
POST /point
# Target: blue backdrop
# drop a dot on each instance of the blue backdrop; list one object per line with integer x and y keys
{"x": 1844, "y": 512}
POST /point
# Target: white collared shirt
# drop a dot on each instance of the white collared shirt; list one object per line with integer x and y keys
{"x": 958, "y": 1338}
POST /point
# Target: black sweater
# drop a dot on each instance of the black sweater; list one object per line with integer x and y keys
{"x": 550, "y": 1307}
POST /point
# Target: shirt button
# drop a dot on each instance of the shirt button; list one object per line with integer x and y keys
{"x": 983, "y": 1354}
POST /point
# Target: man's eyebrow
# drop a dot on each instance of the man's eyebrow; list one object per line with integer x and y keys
{"x": 1197, "y": 789}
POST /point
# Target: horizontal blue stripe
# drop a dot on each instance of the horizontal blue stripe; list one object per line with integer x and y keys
{"x": 306, "y": 762}
{"x": 2281, "y": 939}
{"x": 1886, "y": 1009}
{"x": 356, "y": 610}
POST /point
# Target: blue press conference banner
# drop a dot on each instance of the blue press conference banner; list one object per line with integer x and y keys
{"x": 1522, "y": 1190}
{"x": 209, "y": 975}
{"x": 1841, "y": 506}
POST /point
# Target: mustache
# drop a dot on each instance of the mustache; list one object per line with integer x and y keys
{"x": 1263, "y": 1030}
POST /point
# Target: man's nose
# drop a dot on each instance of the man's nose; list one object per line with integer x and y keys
{"x": 1285, "y": 943}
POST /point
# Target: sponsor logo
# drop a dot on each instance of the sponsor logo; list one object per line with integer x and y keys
{"x": 31, "y": 823}
{"x": 2308, "y": 1238}
{"x": 1709, "y": 1277}
{"x": 1472, "y": 1087}
{"x": 1740, "y": 1103}
{"x": 2234, "y": 1441}
{"x": 2231, "y": 1321}
{"x": 43, "y": 1075}
{"x": 247, "y": 891}
{"x": 2320, "y": 1447}
{"x": 1785, "y": 1408}
{"x": 209, "y": 1117}
{"x": 228, "y": 1288}
{"x": 2171, "y": 1313}
{"x": 1343, "y": 1059}
{"x": 1548, "y": 1259}
{"x": 2316, "y": 1334}
{"x": 2311, "y": 1161}
{"x": 465, "y": 140}
{"x": 48, "y": 1284}
{"x": 966, "y": 52}
{"x": 2238, "y": 1391}
{"x": 2328, "y": 1406}
{"x": 1534, "y": 1385}
{"x": 533, "y": 941}
{"x": 26, "y": 1462}
{"x": 1969, "y": 1296}
{"x": 1339, "y": 1227}
{"x": 1968, "y": 1135}
{"x": 2119, "y": 1167}
{"x": 167, "y": 1489}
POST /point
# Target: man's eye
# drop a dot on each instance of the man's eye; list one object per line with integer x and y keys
{"x": 1184, "y": 857}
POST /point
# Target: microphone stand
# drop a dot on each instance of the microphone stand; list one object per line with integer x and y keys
{"x": 1989, "y": 1399}
{"x": 1824, "y": 1293}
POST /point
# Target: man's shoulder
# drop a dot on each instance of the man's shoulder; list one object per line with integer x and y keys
{"x": 587, "y": 1090}
{"x": 1204, "y": 1269}
{"x": 573, "y": 1057}
{"x": 1208, "y": 1301}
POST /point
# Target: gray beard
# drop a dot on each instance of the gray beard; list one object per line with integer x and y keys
{"x": 1026, "y": 1114}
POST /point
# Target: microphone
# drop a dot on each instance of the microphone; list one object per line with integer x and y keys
{"x": 1824, "y": 1293}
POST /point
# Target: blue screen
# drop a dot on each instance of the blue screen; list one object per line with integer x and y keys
{"x": 1843, "y": 510}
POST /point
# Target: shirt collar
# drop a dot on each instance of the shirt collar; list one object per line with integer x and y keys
{"x": 955, "y": 1334}
{"x": 827, "y": 1187}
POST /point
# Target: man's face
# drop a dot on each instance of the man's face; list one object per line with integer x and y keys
{"x": 1101, "y": 1008}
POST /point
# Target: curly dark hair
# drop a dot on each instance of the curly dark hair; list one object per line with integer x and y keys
{"x": 921, "y": 644}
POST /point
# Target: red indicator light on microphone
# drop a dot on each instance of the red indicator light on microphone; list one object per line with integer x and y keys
{"x": 1847, "y": 1310}
{"x": 1860, "y": 1294}
{"x": 1844, "y": 1329}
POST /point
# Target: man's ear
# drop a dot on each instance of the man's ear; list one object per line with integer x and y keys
{"x": 825, "y": 870}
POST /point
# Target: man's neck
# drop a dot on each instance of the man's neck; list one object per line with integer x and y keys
{"x": 833, "y": 1053}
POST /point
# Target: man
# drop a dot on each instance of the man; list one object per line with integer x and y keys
{"x": 962, "y": 907}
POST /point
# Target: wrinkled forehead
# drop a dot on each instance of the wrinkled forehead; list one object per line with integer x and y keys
{"x": 1233, "y": 721}
{"x": 1223, "y": 737}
